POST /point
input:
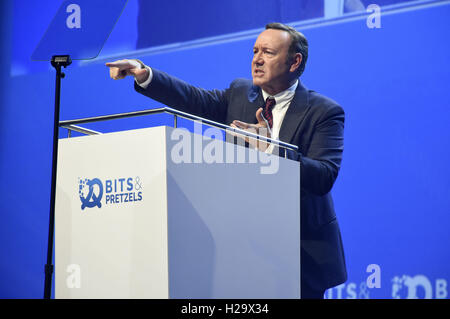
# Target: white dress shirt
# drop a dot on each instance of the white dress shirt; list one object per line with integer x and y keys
{"x": 283, "y": 100}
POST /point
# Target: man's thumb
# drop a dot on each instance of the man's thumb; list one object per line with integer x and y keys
{"x": 260, "y": 118}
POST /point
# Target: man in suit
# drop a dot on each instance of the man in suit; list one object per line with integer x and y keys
{"x": 277, "y": 102}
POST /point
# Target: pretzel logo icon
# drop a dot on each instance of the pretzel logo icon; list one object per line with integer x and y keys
{"x": 91, "y": 192}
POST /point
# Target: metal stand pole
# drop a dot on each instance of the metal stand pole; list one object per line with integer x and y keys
{"x": 57, "y": 62}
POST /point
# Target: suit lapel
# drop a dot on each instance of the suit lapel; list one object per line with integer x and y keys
{"x": 295, "y": 114}
{"x": 256, "y": 101}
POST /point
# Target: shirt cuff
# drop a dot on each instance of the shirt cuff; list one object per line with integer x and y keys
{"x": 146, "y": 83}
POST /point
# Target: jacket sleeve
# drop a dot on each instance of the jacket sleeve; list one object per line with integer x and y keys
{"x": 182, "y": 96}
{"x": 321, "y": 162}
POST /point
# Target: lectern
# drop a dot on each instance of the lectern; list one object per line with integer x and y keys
{"x": 151, "y": 213}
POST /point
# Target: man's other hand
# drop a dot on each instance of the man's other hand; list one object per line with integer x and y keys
{"x": 261, "y": 128}
{"x": 122, "y": 68}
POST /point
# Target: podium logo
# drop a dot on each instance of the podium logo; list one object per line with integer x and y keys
{"x": 90, "y": 192}
{"x": 116, "y": 190}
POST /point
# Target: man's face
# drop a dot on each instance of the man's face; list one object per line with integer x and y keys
{"x": 270, "y": 70}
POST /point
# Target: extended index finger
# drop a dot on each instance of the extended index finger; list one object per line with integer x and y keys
{"x": 119, "y": 64}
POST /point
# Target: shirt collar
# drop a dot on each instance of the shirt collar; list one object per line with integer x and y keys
{"x": 283, "y": 96}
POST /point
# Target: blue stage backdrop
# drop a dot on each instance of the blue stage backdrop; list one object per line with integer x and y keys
{"x": 392, "y": 196}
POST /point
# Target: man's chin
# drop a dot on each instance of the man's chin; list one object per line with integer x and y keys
{"x": 257, "y": 82}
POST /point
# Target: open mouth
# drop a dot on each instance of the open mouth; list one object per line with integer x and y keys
{"x": 258, "y": 72}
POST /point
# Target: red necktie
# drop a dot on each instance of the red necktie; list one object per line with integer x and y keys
{"x": 267, "y": 110}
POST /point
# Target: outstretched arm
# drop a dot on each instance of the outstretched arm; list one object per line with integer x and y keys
{"x": 172, "y": 91}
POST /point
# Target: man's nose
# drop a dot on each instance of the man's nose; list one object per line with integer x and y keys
{"x": 257, "y": 59}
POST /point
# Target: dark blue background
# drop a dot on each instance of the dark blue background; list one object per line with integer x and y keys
{"x": 392, "y": 195}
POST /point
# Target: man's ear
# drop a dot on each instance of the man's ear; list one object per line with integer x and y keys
{"x": 295, "y": 62}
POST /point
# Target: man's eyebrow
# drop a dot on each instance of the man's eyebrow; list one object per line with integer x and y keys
{"x": 264, "y": 47}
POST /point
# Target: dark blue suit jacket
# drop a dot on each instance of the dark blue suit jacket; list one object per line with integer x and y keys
{"x": 312, "y": 122}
